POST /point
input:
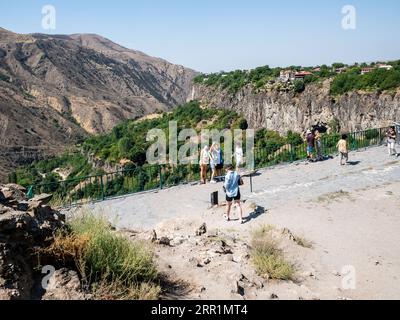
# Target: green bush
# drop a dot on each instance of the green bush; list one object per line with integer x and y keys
{"x": 110, "y": 256}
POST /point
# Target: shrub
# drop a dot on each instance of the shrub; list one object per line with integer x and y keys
{"x": 110, "y": 257}
{"x": 299, "y": 86}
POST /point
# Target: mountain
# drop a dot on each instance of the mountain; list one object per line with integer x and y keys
{"x": 57, "y": 89}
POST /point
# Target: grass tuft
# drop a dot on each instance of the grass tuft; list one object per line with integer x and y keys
{"x": 111, "y": 267}
{"x": 267, "y": 257}
{"x": 111, "y": 256}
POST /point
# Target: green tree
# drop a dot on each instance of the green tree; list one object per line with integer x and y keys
{"x": 299, "y": 86}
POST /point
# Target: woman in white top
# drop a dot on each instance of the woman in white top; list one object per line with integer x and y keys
{"x": 238, "y": 156}
{"x": 204, "y": 161}
{"x": 214, "y": 160}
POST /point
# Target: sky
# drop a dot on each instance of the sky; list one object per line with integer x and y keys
{"x": 216, "y": 35}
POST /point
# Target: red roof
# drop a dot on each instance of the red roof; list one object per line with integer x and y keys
{"x": 303, "y": 74}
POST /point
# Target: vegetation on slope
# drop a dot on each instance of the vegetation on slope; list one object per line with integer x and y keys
{"x": 127, "y": 141}
{"x": 266, "y": 77}
{"x": 376, "y": 80}
{"x": 109, "y": 265}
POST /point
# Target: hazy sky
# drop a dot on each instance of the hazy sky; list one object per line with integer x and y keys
{"x": 214, "y": 35}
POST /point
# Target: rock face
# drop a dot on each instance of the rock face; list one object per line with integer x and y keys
{"x": 283, "y": 111}
{"x": 64, "y": 284}
{"x": 24, "y": 225}
{"x": 54, "y": 90}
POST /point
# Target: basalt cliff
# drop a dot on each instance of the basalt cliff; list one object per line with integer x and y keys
{"x": 282, "y": 111}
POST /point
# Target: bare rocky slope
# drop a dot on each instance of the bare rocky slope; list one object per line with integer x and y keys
{"x": 283, "y": 111}
{"x": 56, "y": 89}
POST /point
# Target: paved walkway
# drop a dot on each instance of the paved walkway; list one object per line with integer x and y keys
{"x": 272, "y": 188}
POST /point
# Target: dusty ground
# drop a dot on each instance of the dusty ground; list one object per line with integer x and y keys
{"x": 350, "y": 214}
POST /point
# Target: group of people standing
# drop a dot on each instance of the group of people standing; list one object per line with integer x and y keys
{"x": 391, "y": 139}
{"x": 314, "y": 144}
{"x": 213, "y": 157}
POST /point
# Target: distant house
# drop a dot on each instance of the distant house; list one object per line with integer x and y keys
{"x": 286, "y": 76}
{"x": 301, "y": 75}
{"x": 385, "y": 66}
{"x": 340, "y": 70}
{"x": 366, "y": 70}
{"x": 317, "y": 69}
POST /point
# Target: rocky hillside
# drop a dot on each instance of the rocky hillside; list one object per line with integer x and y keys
{"x": 288, "y": 110}
{"x": 54, "y": 90}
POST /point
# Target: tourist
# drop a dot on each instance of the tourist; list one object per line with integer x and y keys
{"x": 204, "y": 161}
{"x": 238, "y": 156}
{"x": 310, "y": 139}
{"x": 391, "y": 139}
{"x": 343, "y": 150}
{"x": 220, "y": 164}
{"x": 231, "y": 186}
{"x": 318, "y": 145}
{"x": 214, "y": 161}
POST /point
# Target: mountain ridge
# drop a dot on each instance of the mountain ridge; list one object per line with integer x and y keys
{"x": 78, "y": 85}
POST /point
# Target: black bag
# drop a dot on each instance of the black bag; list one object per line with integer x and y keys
{"x": 241, "y": 181}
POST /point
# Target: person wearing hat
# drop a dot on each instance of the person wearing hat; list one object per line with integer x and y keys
{"x": 310, "y": 139}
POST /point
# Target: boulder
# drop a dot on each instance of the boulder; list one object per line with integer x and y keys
{"x": 64, "y": 284}
{"x": 24, "y": 226}
{"x": 164, "y": 241}
{"x": 202, "y": 230}
{"x": 42, "y": 199}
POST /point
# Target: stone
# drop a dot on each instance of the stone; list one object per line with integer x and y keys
{"x": 147, "y": 236}
{"x": 64, "y": 284}
{"x": 229, "y": 257}
{"x": 4, "y": 209}
{"x": 164, "y": 241}
{"x": 195, "y": 262}
{"x": 22, "y": 232}
{"x": 23, "y": 206}
{"x": 213, "y": 233}
{"x": 274, "y": 296}
{"x": 42, "y": 198}
{"x": 202, "y": 230}
{"x": 221, "y": 247}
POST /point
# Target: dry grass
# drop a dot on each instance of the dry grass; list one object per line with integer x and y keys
{"x": 268, "y": 258}
{"x": 119, "y": 291}
{"x": 111, "y": 267}
{"x": 66, "y": 249}
{"x": 303, "y": 242}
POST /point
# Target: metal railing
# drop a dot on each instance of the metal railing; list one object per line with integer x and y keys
{"x": 147, "y": 178}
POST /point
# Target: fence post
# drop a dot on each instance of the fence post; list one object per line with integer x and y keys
{"x": 30, "y": 193}
{"x": 161, "y": 176}
{"x": 291, "y": 153}
{"x": 102, "y": 187}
